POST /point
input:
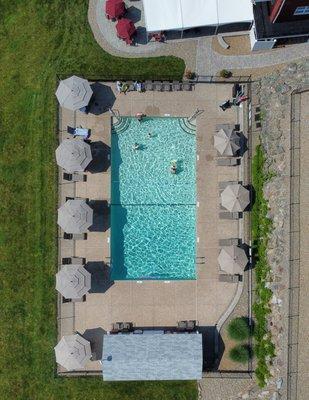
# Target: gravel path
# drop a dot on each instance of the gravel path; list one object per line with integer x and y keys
{"x": 209, "y": 62}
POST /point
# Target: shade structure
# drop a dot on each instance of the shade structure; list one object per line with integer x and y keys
{"x": 115, "y": 8}
{"x": 184, "y": 14}
{"x": 125, "y": 28}
{"x": 75, "y": 216}
{"x": 235, "y": 198}
{"x": 74, "y": 93}
{"x": 73, "y": 281}
{"x": 226, "y": 141}
{"x": 73, "y": 352}
{"x": 232, "y": 259}
{"x": 73, "y": 155}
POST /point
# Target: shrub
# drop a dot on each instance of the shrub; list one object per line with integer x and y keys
{"x": 224, "y": 73}
{"x": 238, "y": 329}
{"x": 241, "y": 353}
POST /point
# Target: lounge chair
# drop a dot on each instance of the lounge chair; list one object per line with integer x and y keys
{"x": 229, "y": 242}
{"x": 229, "y": 215}
{"x": 157, "y": 86}
{"x": 75, "y": 236}
{"x": 225, "y": 184}
{"x": 75, "y": 177}
{"x": 228, "y": 162}
{"x": 73, "y": 260}
{"x": 166, "y": 86}
{"x": 191, "y": 325}
{"x": 176, "y": 86}
{"x": 229, "y": 278}
{"x": 182, "y": 326}
{"x": 148, "y": 85}
{"x": 187, "y": 86}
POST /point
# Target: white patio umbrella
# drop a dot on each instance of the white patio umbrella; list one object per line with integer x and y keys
{"x": 74, "y": 93}
{"x": 73, "y": 281}
{"x": 73, "y": 155}
{"x": 226, "y": 141}
{"x": 232, "y": 260}
{"x": 235, "y": 198}
{"x": 75, "y": 216}
{"x": 73, "y": 352}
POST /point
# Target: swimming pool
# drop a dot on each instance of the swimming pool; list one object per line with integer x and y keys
{"x": 153, "y": 212}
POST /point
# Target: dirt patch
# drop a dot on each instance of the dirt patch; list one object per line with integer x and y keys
{"x": 239, "y": 45}
{"x": 226, "y": 364}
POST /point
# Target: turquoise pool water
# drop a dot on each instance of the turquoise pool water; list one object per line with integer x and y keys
{"x": 153, "y": 212}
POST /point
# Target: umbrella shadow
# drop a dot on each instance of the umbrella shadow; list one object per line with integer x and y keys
{"x": 103, "y": 98}
{"x": 141, "y": 36}
{"x": 100, "y": 276}
{"x": 134, "y": 14}
{"x": 252, "y": 197}
{"x": 246, "y": 248}
{"x": 95, "y": 337}
{"x": 101, "y": 215}
{"x": 100, "y": 157}
{"x": 243, "y": 143}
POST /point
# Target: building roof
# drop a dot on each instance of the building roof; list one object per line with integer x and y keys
{"x": 265, "y": 29}
{"x": 152, "y": 356}
{"x": 163, "y": 15}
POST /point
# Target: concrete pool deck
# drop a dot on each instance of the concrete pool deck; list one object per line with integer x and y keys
{"x": 153, "y": 303}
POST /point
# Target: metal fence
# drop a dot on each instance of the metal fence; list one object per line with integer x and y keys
{"x": 163, "y": 77}
{"x": 293, "y": 320}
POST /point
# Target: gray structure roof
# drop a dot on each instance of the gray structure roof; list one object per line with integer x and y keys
{"x": 74, "y": 93}
{"x": 73, "y": 352}
{"x": 73, "y": 155}
{"x": 75, "y": 216}
{"x": 73, "y": 281}
{"x": 152, "y": 356}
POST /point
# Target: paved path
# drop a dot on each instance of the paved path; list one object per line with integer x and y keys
{"x": 208, "y": 62}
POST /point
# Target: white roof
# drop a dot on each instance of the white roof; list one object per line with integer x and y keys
{"x": 163, "y": 15}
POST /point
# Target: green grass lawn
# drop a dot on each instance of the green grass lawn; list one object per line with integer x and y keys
{"x": 38, "y": 40}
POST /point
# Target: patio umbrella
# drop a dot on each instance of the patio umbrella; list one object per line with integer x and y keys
{"x": 125, "y": 28}
{"x": 75, "y": 216}
{"x": 73, "y": 281}
{"x": 73, "y": 155}
{"x": 74, "y": 93}
{"x": 73, "y": 352}
{"x": 226, "y": 142}
{"x": 232, "y": 259}
{"x": 115, "y": 8}
{"x": 235, "y": 198}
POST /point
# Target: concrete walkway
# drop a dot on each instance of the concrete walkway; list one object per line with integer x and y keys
{"x": 208, "y": 62}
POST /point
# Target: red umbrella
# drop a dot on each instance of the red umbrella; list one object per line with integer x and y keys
{"x": 125, "y": 29}
{"x": 114, "y": 8}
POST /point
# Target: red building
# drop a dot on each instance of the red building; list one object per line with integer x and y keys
{"x": 279, "y": 22}
{"x": 289, "y": 10}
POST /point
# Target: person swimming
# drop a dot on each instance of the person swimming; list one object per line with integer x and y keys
{"x": 173, "y": 166}
{"x": 135, "y": 146}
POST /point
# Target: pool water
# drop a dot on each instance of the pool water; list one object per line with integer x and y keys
{"x": 153, "y": 212}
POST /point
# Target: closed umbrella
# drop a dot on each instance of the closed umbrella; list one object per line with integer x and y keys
{"x": 226, "y": 142}
{"x": 232, "y": 259}
{"x": 73, "y": 281}
{"x": 235, "y": 198}
{"x": 74, "y": 93}
{"x": 73, "y": 352}
{"x": 114, "y": 8}
{"x": 75, "y": 216}
{"x": 125, "y": 28}
{"x": 73, "y": 155}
